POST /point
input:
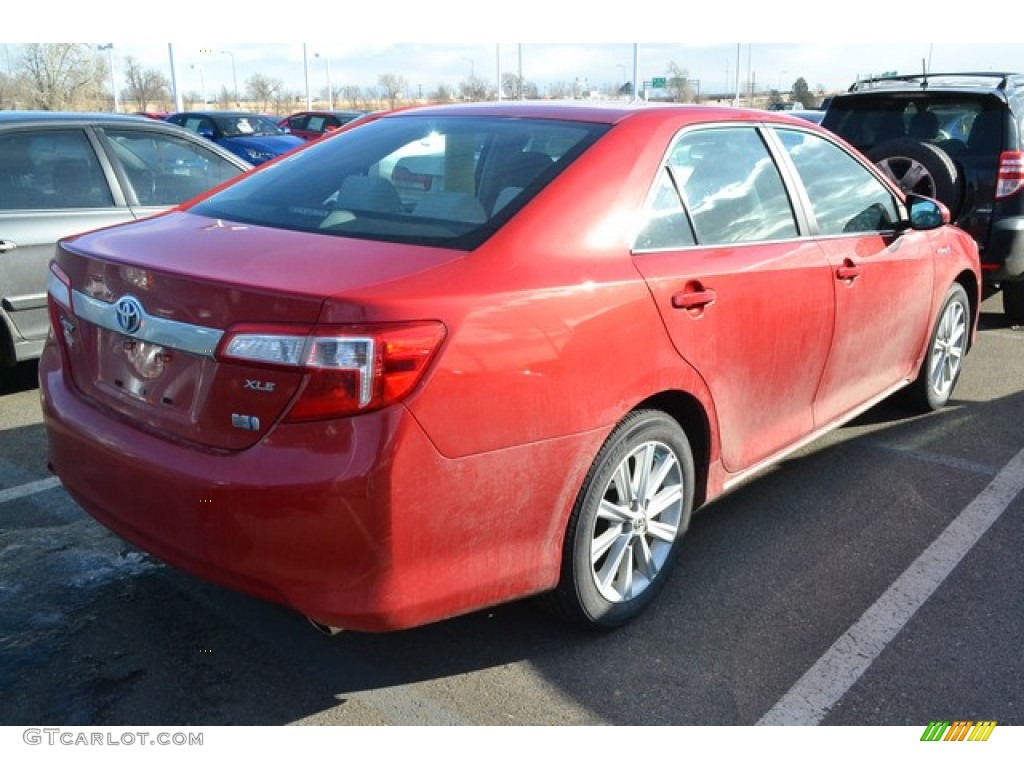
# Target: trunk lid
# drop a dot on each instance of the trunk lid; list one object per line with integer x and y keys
{"x": 151, "y": 301}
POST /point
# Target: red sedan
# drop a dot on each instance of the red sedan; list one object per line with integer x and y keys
{"x": 385, "y": 405}
{"x": 313, "y": 125}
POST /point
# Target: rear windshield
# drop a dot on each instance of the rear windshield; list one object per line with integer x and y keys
{"x": 442, "y": 181}
{"x": 959, "y": 123}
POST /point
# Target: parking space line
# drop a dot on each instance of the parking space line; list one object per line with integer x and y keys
{"x": 28, "y": 489}
{"x": 825, "y": 683}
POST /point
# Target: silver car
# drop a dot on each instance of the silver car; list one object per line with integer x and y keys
{"x": 64, "y": 173}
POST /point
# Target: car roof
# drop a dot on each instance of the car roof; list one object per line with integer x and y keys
{"x": 40, "y": 117}
{"x": 327, "y": 112}
{"x": 596, "y": 112}
{"x": 220, "y": 113}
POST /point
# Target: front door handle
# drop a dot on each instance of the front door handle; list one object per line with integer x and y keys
{"x": 7, "y": 245}
{"x": 849, "y": 271}
{"x": 693, "y": 299}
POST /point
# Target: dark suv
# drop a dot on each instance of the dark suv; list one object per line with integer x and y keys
{"x": 957, "y": 138}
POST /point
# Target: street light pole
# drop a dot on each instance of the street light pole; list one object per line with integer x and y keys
{"x": 330, "y": 93}
{"x": 109, "y": 48}
{"x": 305, "y": 73}
{"x": 234, "y": 76}
{"x": 202, "y": 82}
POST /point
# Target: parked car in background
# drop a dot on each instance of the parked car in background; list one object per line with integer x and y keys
{"x": 313, "y": 125}
{"x": 598, "y": 318}
{"x": 153, "y": 115}
{"x": 956, "y": 137}
{"x": 253, "y": 137}
{"x": 67, "y": 173}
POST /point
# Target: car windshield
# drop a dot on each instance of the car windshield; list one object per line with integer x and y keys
{"x": 443, "y": 181}
{"x": 247, "y": 125}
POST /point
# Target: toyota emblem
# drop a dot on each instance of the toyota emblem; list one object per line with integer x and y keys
{"x": 129, "y": 314}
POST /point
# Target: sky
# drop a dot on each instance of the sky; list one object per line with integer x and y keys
{"x": 217, "y": 62}
{"x": 445, "y": 41}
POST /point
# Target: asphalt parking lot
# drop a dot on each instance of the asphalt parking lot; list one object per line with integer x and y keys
{"x": 872, "y": 579}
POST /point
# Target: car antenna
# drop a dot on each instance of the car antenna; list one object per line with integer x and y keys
{"x": 924, "y": 80}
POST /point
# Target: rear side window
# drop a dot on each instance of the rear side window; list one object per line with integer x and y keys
{"x": 51, "y": 169}
{"x": 448, "y": 181}
{"x": 845, "y": 197}
{"x": 731, "y": 186}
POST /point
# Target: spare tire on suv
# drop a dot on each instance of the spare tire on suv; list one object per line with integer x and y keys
{"x": 920, "y": 168}
{"x": 957, "y": 137}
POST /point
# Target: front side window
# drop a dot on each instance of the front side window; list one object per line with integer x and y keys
{"x": 732, "y": 188}
{"x": 447, "y": 181}
{"x": 167, "y": 170}
{"x": 845, "y": 196}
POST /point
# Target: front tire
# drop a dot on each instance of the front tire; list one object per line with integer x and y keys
{"x": 624, "y": 530}
{"x": 944, "y": 359}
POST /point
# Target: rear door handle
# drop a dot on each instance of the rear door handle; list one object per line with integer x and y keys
{"x": 7, "y": 245}
{"x": 693, "y": 299}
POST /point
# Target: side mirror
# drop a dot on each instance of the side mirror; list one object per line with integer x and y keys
{"x": 926, "y": 213}
{"x": 206, "y": 133}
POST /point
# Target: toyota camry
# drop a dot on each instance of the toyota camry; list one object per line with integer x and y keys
{"x": 468, "y": 354}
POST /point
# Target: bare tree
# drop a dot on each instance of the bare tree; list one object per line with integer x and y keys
{"x": 393, "y": 88}
{"x": 474, "y": 89}
{"x": 144, "y": 87}
{"x": 512, "y": 85}
{"x": 679, "y": 83}
{"x": 353, "y": 96}
{"x": 263, "y": 89}
{"x": 442, "y": 94}
{"x": 561, "y": 90}
{"x": 225, "y": 99}
{"x": 62, "y": 75}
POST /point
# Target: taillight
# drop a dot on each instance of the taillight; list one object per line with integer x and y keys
{"x": 1010, "y": 179}
{"x": 59, "y": 288}
{"x": 350, "y": 369}
{"x": 59, "y": 285}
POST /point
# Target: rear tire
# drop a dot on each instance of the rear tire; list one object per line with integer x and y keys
{"x": 623, "y": 534}
{"x": 944, "y": 359}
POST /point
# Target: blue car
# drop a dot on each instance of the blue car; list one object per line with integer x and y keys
{"x": 251, "y": 136}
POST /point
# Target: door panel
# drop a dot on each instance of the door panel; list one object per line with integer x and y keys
{"x": 53, "y": 185}
{"x": 881, "y": 279}
{"x": 745, "y": 302}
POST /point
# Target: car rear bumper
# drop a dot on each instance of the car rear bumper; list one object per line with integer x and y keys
{"x": 356, "y": 523}
{"x": 1003, "y": 258}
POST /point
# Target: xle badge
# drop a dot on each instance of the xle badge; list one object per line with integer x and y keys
{"x": 259, "y": 386}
